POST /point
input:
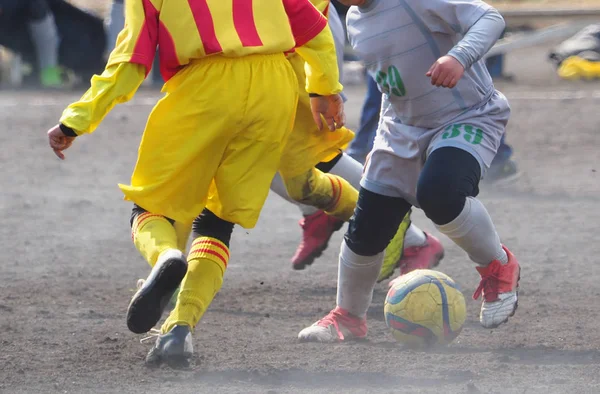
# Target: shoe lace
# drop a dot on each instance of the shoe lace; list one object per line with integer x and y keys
{"x": 152, "y": 334}
{"x": 488, "y": 282}
{"x": 331, "y": 320}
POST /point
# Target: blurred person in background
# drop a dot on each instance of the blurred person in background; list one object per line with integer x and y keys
{"x": 38, "y": 17}
{"x": 115, "y": 23}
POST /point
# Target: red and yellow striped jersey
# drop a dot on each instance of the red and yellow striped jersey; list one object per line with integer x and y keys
{"x": 192, "y": 29}
{"x": 322, "y": 5}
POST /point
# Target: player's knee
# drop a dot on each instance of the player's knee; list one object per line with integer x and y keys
{"x": 450, "y": 176}
{"x": 375, "y": 222}
{"x": 441, "y": 201}
{"x": 207, "y": 224}
{"x": 137, "y": 211}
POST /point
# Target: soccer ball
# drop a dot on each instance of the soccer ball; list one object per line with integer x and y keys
{"x": 424, "y": 308}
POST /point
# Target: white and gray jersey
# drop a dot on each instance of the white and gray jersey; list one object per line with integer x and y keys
{"x": 399, "y": 40}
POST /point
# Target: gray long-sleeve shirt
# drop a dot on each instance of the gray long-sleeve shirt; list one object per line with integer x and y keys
{"x": 400, "y": 40}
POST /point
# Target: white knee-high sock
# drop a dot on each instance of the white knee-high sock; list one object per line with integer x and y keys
{"x": 475, "y": 233}
{"x": 357, "y": 276}
{"x": 349, "y": 169}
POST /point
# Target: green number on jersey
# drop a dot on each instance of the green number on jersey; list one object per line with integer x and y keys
{"x": 391, "y": 83}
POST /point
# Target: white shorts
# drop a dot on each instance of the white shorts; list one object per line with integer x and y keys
{"x": 399, "y": 152}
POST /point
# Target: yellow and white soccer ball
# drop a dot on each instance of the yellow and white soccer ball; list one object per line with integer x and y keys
{"x": 425, "y": 307}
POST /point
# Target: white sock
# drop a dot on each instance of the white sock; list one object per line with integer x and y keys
{"x": 44, "y": 34}
{"x": 357, "y": 276}
{"x": 349, "y": 169}
{"x": 414, "y": 237}
{"x": 307, "y": 210}
{"x": 278, "y": 188}
{"x": 475, "y": 233}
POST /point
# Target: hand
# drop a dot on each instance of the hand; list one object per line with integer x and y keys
{"x": 59, "y": 141}
{"x": 331, "y": 108}
{"x": 446, "y": 72}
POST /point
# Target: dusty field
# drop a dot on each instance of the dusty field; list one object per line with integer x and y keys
{"x": 69, "y": 269}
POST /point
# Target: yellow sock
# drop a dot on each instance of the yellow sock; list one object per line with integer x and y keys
{"x": 152, "y": 234}
{"x": 344, "y": 200}
{"x": 328, "y": 192}
{"x": 207, "y": 262}
{"x": 183, "y": 231}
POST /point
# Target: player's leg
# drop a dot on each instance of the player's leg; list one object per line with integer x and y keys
{"x": 173, "y": 175}
{"x": 155, "y": 238}
{"x": 207, "y": 261}
{"x": 375, "y": 221}
{"x": 421, "y": 250}
{"x": 236, "y": 194}
{"x": 46, "y": 40}
{"x": 379, "y": 212}
{"x": 327, "y": 192}
{"x": 446, "y": 192}
{"x": 182, "y": 231}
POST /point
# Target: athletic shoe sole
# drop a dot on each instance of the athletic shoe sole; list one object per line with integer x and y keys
{"x": 148, "y": 304}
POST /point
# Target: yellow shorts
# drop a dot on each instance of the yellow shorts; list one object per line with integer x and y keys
{"x": 307, "y": 145}
{"x": 223, "y": 122}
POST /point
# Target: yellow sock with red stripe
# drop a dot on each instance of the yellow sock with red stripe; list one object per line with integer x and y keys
{"x": 344, "y": 198}
{"x": 207, "y": 262}
{"x": 328, "y": 192}
{"x": 152, "y": 234}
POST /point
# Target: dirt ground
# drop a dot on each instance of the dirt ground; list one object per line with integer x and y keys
{"x": 69, "y": 269}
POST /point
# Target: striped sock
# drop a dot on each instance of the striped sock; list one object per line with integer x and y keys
{"x": 344, "y": 198}
{"x": 152, "y": 234}
{"x": 207, "y": 262}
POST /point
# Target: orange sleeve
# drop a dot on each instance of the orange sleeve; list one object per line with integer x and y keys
{"x": 306, "y": 20}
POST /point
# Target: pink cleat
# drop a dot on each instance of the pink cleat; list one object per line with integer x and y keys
{"x": 337, "y": 326}
{"x": 499, "y": 287}
{"x": 317, "y": 230}
{"x": 426, "y": 256}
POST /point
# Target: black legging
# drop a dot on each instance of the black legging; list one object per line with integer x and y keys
{"x": 449, "y": 176}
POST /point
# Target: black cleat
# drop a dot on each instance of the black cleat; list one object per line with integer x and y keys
{"x": 147, "y": 305}
{"x": 174, "y": 348}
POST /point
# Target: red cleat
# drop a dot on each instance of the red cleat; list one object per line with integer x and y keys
{"x": 499, "y": 287}
{"x": 317, "y": 230}
{"x": 426, "y": 256}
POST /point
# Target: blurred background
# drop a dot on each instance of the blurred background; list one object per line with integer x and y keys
{"x": 61, "y": 43}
